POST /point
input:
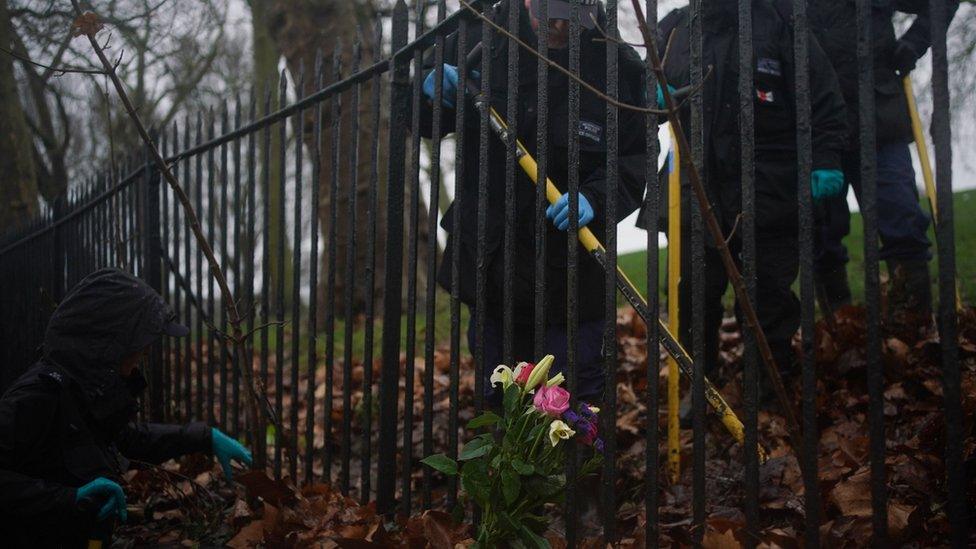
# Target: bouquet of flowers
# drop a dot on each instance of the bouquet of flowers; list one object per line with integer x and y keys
{"x": 511, "y": 471}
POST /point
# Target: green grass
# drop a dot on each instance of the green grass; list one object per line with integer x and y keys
{"x": 964, "y": 214}
{"x": 635, "y": 265}
{"x": 442, "y": 333}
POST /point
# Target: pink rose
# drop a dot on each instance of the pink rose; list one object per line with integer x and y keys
{"x": 523, "y": 373}
{"x": 552, "y": 401}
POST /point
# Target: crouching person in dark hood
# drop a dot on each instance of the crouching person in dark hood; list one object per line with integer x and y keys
{"x": 67, "y": 426}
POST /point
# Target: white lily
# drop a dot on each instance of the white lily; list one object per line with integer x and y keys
{"x": 558, "y": 430}
{"x": 502, "y": 374}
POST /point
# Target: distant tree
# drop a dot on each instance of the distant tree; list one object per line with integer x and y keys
{"x": 18, "y": 186}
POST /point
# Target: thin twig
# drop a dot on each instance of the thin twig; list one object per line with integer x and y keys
{"x": 735, "y": 227}
{"x": 59, "y": 70}
{"x": 608, "y": 38}
{"x": 694, "y": 91}
{"x": 265, "y": 325}
{"x": 667, "y": 48}
{"x": 558, "y": 67}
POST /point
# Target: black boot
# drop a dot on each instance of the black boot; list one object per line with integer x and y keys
{"x": 833, "y": 292}
{"x": 909, "y": 295}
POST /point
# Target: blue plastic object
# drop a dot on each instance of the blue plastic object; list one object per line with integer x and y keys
{"x": 826, "y": 183}
{"x": 558, "y": 213}
{"x": 104, "y": 489}
{"x": 226, "y": 449}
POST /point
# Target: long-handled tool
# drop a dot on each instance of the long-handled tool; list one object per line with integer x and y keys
{"x": 674, "y": 275}
{"x": 592, "y": 245}
{"x": 923, "y": 159}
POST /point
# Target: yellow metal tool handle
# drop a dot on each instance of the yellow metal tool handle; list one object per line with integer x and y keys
{"x": 674, "y": 276}
{"x": 923, "y": 150}
{"x": 923, "y": 159}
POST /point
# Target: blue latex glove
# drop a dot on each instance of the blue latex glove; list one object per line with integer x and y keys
{"x": 226, "y": 449}
{"x": 448, "y": 85}
{"x": 104, "y": 489}
{"x": 660, "y": 95}
{"x": 826, "y": 183}
{"x": 558, "y": 213}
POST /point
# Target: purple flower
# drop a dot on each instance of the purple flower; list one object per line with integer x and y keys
{"x": 571, "y": 417}
{"x": 598, "y": 444}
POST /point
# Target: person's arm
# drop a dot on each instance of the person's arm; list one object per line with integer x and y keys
{"x": 918, "y": 38}
{"x": 158, "y": 442}
{"x": 828, "y": 113}
{"x": 26, "y": 415}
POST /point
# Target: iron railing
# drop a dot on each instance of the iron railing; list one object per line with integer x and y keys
{"x": 127, "y": 219}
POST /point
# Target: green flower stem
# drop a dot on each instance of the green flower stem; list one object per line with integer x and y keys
{"x": 535, "y": 443}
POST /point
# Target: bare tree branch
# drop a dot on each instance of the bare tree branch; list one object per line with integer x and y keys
{"x": 60, "y": 70}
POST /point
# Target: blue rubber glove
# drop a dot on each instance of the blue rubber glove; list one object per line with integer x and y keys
{"x": 660, "y": 95}
{"x": 558, "y": 213}
{"x": 226, "y": 449}
{"x": 826, "y": 183}
{"x": 104, "y": 489}
{"x": 448, "y": 86}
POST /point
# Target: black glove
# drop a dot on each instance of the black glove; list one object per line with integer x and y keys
{"x": 904, "y": 57}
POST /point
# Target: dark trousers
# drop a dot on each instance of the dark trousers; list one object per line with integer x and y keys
{"x": 902, "y": 223}
{"x": 778, "y": 309}
{"x": 589, "y": 352}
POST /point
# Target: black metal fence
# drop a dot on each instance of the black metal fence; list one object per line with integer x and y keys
{"x": 325, "y": 403}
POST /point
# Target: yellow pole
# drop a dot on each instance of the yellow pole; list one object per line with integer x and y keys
{"x": 923, "y": 150}
{"x": 923, "y": 159}
{"x": 674, "y": 275}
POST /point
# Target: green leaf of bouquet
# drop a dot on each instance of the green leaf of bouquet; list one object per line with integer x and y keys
{"x": 522, "y": 467}
{"x": 475, "y": 482}
{"x": 509, "y": 522}
{"x": 532, "y": 539}
{"x": 442, "y": 463}
{"x": 476, "y": 448}
{"x": 485, "y": 419}
{"x": 478, "y": 491}
{"x": 591, "y": 465}
{"x": 537, "y": 430}
{"x": 510, "y": 485}
{"x": 476, "y": 471}
{"x": 512, "y": 398}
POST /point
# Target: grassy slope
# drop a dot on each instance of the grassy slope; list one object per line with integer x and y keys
{"x": 635, "y": 265}
{"x": 964, "y": 205}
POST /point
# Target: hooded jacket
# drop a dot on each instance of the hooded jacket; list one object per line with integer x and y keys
{"x": 591, "y": 169}
{"x": 69, "y": 418}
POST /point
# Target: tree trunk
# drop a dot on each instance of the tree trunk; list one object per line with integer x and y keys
{"x": 265, "y": 79}
{"x": 18, "y": 186}
{"x": 302, "y": 29}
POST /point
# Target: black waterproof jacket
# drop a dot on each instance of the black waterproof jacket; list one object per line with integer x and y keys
{"x": 774, "y": 102}
{"x": 68, "y": 419}
{"x": 834, "y": 22}
{"x": 592, "y": 171}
